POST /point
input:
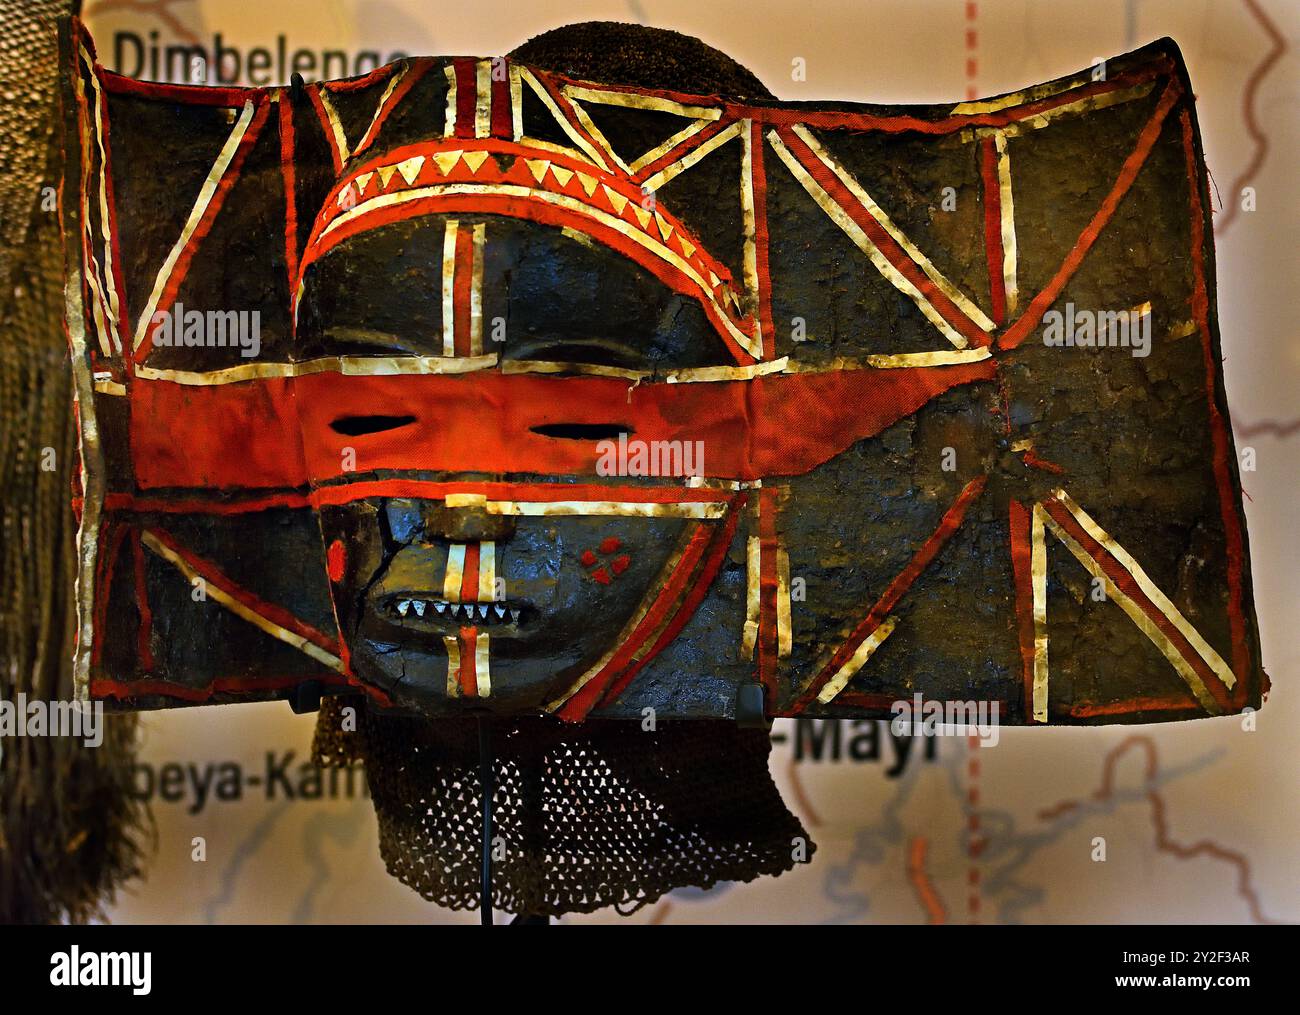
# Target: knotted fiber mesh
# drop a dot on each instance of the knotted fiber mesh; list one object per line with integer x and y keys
{"x": 70, "y": 832}
{"x": 588, "y": 816}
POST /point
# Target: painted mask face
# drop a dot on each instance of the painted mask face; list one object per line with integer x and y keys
{"x": 448, "y": 601}
{"x": 575, "y": 398}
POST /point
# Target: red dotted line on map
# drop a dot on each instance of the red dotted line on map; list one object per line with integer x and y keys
{"x": 975, "y": 841}
{"x": 972, "y": 49}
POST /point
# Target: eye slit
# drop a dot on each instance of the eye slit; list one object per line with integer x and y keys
{"x": 583, "y": 431}
{"x": 357, "y": 426}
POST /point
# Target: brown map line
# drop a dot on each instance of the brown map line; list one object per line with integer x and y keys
{"x": 925, "y": 890}
{"x": 1273, "y": 426}
{"x": 1164, "y": 844}
{"x": 800, "y": 797}
{"x": 1279, "y": 47}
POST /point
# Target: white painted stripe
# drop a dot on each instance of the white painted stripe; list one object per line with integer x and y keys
{"x": 864, "y": 652}
{"x": 487, "y": 572}
{"x": 1148, "y": 587}
{"x": 449, "y": 288}
{"x": 482, "y": 673}
{"x": 197, "y": 212}
{"x": 455, "y": 572}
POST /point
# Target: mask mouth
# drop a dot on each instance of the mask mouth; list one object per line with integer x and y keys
{"x": 422, "y": 612}
{"x": 584, "y": 431}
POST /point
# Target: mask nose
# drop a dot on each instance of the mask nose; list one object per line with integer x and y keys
{"x": 428, "y": 521}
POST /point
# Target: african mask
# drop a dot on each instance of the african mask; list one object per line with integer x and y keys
{"x": 475, "y": 387}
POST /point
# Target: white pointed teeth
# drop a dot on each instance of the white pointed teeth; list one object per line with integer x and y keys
{"x": 464, "y": 612}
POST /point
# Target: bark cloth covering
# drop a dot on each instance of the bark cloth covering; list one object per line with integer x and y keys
{"x": 604, "y": 813}
{"x": 69, "y": 829}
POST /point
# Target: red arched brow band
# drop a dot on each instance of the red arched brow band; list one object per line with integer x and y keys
{"x": 494, "y": 177}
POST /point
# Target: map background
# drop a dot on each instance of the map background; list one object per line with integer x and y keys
{"x": 1208, "y": 832}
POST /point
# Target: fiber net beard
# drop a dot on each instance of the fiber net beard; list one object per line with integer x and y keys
{"x": 584, "y": 817}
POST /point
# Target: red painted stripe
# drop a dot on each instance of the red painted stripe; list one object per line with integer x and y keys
{"x": 1021, "y": 535}
{"x": 993, "y": 228}
{"x": 102, "y": 687}
{"x": 1028, "y": 320}
{"x": 1086, "y": 709}
{"x": 874, "y": 702}
{"x": 878, "y": 235}
{"x": 515, "y": 173}
{"x": 858, "y": 119}
{"x": 363, "y": 81}
{"x": 848, "y": 119}
{"x": 466, "y": 96}
{"x": 777, "y": 424}
{"x": 215, "y": 577}
{"x": 533, "y": 210}
{"x": 215, "y": 505}
{"x": 503, "y": 124}
{"x": 182, "y": 266}
{"x": 187, "y": 95}
{"x": 506, "y": 170}
{"x": 1118, "y": 574}
{"x": 417, "y": 71}
{"x": 1219, "y": 431}
{"x": 462, "y": 282}
{"x": 680, "y": 151}
{"x": 469, "y": 576}
{"x": 290, "y": 193}
{"x": 313, "y": 93}
{"x": 345, "y": 493}
{"x": 1032, "y": 459}
{"x": 540, "y": 493}
{"x": 698, "y": 589}
{"x": 468, "y": 674}
{"x": 885, "y": 702}
{"x": 565, "y": 107}
{"x": 110, "y": 545}
{"x": 143, "y": 636}
{"x": 853, "y": 118}
{"x": 948, "y": 524}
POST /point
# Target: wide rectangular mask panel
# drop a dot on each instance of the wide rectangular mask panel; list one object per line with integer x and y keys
{"x": 464, "y": 385}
